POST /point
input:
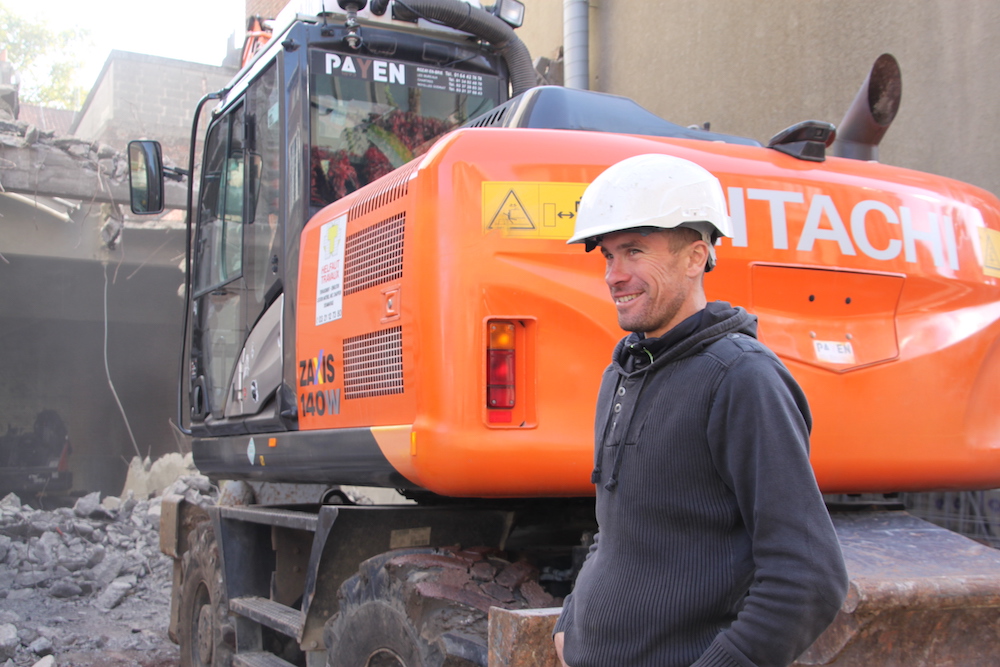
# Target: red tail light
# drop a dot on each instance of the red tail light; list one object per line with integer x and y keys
{"x": 500, "y": 365}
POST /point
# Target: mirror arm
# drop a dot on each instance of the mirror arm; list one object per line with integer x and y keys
{"x": 175, "y": 174}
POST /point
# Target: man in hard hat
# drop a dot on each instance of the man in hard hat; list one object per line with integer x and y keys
{"x": 715, "y": 547}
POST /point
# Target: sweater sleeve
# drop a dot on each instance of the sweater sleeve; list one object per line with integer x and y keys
{"x": 565, "y": 621}
{"x": 759, "y": 433}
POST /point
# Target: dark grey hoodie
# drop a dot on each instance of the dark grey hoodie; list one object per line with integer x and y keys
{"x": 715, "y": 547}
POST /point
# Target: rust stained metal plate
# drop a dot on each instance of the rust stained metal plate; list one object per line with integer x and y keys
{"x": 919, "y": 595}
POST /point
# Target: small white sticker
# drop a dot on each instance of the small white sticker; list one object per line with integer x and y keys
{"x": 834, "y": 352}
{"x": 251, "y": 451}
{"x": 330, "y": 274}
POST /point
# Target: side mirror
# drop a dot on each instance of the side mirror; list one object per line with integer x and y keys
{"x": 145, "y": 176}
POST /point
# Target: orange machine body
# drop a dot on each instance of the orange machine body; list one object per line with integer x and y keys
{"x": 877, "y": 286}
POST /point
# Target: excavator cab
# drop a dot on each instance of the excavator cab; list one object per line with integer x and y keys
{"x": 312, "y": 118}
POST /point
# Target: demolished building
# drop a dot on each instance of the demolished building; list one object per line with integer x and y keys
{"x": 90, "y": 312}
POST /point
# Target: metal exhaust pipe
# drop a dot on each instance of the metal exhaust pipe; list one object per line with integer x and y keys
{"x": 871, "y": 112}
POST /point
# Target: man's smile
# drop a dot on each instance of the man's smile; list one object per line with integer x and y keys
{"x": 626, "y": 298}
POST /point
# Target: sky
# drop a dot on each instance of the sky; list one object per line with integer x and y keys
{"x": 194, "y": 30}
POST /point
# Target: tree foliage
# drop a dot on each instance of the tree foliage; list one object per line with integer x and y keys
{"x": 44, "y": 59}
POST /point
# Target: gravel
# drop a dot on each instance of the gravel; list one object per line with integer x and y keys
{"x": 88, "y": 585}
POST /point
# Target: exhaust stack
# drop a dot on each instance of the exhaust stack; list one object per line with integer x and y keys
{"x": 871, "y": 112}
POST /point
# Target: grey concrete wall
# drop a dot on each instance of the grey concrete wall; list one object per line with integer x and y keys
{"x": 753, "y": 68}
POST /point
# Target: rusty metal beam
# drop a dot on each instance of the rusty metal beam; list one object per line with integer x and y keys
{"x": 919, "y": 595}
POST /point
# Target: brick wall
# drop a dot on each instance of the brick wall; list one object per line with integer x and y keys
{"x": 265, "y": 8}
{"x": 148, "y": 97}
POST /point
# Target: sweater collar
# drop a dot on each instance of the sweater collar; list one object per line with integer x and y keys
{"x": 636, "y": 353}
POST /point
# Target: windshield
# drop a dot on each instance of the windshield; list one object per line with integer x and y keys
{"x": 370, "y": 116}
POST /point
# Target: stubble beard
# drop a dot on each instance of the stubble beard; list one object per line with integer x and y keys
{"x": 649, "y": 318}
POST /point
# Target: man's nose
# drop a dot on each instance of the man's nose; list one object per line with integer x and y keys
{"x": 614, "y": 273}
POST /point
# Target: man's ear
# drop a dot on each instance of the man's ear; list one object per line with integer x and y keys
{"x": 697, "y": 256}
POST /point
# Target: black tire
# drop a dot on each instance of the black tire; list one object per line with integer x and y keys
{"x": 207, "y": 634}
{"x": 376, "y": 634}
{"x": 425, "y": 608}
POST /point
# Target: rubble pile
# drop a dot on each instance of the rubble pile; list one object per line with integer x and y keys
{"x": 86, "y": 578}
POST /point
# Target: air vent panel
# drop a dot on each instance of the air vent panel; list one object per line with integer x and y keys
{"x": 387, "y": 189}
{"x": 373, "y": 364}
{"x": 374, "y": 255}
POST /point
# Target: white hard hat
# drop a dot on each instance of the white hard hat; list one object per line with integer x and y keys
{"x": 653, "y": 190}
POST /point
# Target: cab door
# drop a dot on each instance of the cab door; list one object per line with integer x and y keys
{"x": 235, "y": 361}
{"x": 219, "y": 288}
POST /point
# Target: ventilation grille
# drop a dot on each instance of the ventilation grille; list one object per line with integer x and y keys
{"x": 490, "y": 119}
{"x": 374, "y": 255}
{"x": 394, "y": 187}
{"x": 373, "y": 364}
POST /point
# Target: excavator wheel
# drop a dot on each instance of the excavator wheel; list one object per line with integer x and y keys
{"x": 426, "y": 608}
{"x": 207, "y": 635}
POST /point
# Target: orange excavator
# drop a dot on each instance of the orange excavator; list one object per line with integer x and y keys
{"x": 380, "y": 297}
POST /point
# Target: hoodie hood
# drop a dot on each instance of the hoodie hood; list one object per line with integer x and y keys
{"x": 637, "y": 354}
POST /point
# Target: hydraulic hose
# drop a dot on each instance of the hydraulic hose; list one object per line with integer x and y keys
{"x": 465, "y": 17}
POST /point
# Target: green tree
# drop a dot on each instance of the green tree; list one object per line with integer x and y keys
{"x": 44, "y": 59}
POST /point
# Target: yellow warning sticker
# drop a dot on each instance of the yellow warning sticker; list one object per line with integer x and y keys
{"x": 990, "y": 240}
{"x": 531, "y": 210}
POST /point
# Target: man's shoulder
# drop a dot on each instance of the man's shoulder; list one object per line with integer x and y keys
{"x": 739, "y": 350}
{"x": 731, "y": 346}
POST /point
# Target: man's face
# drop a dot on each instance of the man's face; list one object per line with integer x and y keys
{"x": 650, "y": 283}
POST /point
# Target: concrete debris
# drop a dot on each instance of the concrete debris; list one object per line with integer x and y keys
{"x": 90, "y": 507}
{"x": 115, "y": 593}
{"x": 88, "y": 578}
{"x": 41, "y": 646}
{"x": 146, "y": 479}
{"x": 9, "y": 641}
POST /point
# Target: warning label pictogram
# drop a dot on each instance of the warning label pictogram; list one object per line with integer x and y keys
{"x": 538, "y": 210}
{"x": 511, "y": 215}
{"x": 991, "y": 251}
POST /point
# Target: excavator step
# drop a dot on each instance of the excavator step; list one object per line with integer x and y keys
{"x": 272, "y": 517}
{"x": 259, "y": 659}
{"x": 274, "y": 615}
